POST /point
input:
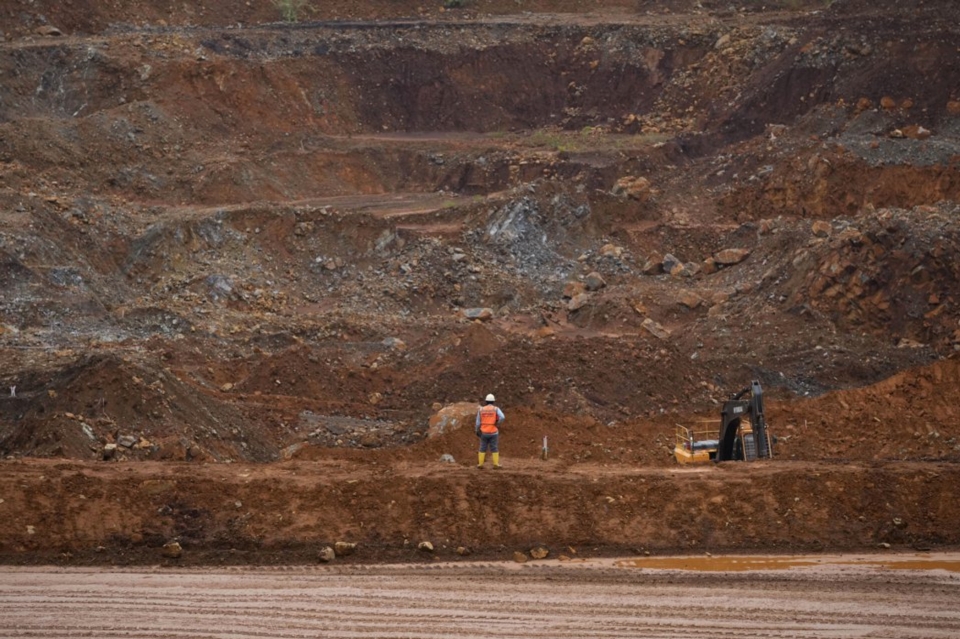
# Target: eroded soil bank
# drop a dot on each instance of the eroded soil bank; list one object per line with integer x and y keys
{"x": 75, "y": 513}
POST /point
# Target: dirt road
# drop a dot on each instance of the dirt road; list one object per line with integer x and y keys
{"x": 840, "y": 596}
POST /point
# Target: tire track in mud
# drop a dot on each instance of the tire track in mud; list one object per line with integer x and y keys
{"x": 475, "y": 601}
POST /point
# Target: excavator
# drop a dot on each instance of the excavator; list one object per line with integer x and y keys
{"x": 743, "y": 432}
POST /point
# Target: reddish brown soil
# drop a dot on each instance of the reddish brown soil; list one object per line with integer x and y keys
{"x": 236, "y": 256}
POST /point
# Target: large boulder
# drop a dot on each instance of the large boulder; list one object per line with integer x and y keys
{"x": 452, "y": 417}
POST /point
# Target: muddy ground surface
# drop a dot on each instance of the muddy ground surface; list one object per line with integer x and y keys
{"x": 255, "y": 275}
{"x": 572, "y": 599}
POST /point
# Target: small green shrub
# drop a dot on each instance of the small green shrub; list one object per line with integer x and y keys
{"x": 290, "y": 9}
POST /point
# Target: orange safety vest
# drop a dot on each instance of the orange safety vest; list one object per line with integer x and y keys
{"x": 488, "y": 419}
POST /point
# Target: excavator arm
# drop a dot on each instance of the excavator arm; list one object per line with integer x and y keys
{"x": 737, "y": 442}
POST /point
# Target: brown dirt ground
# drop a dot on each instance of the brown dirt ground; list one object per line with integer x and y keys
{"x": 240, "y": 251}
{"x": 818, "y": 597}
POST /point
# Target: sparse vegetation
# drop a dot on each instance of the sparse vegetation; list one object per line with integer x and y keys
{"x": 290, "y": 9}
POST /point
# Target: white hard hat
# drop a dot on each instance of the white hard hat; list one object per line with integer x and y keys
{"x": 490, "y": 398}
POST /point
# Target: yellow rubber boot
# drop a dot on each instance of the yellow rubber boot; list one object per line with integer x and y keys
{"x": 496, "y": 461}
{"x": 482, "y": 456}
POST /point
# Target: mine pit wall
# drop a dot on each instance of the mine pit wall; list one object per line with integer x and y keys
{"x": 471, "y": 77}
{"x": 64, "y": 512}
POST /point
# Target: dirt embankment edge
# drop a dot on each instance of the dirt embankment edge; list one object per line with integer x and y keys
{"x": 79, "y": 513}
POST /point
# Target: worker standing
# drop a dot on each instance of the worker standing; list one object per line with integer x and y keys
{"x": 489, "y": 418}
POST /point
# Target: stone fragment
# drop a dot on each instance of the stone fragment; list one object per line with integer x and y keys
{"x": 611, "y": 250}
{"x": 670, "y": 262}
{"x": 127, "y": 441}
{"x": 953, "y": 107}
{"x": 463, "y": 551}
{"x": 578, "y": 302}
{"x": 635, "y": 188}
{"x": 572, "y": 289}
{"x": 48, "y": 30}
{"x": 520, "y": 557}
{"x": 821, "y": 228}
{"x": 731, "y": 256}
{"x": 291, "y": 451}
{"x": 916, "y": 132}
{"x": 226, "y": 388}
{"x": 344, "y": 548}
{"x": 395, "y": 343}
{"x": 886, "y": 102}
{"x": 690, "y": 299}
{"x": 709, "y": 266}
{"x": 539, "y": 552}
{"x": 109, "y": 451}
{"x": 655, "y": 329}
{"x": 425, "y": 546}
{"x": 447, "y": 458}
{"x": 720, "y": 297}
{"x": 326, "y": 555}
{"x": 594, "y": 281}
{"x": 722, "y": 42}
{"x": 653, "y": 265}
{"x": 678, "y": 270}
{"x": 482, "y": 314}
{"x": 172, "y": 550}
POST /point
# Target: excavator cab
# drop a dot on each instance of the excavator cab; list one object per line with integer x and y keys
{"x": 743, "y": 432}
